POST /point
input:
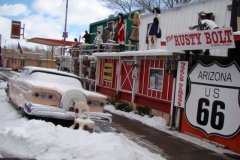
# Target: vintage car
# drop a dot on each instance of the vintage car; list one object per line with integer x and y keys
{"x": 51, "y": 93}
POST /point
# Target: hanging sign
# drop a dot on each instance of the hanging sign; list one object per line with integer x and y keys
{"x": 181, "y": 81}
{"x": 16, "y": 30}
{"x": 108, "y": 71}
{"x": 213, "y": 102}
{"x": 206, "y": 39}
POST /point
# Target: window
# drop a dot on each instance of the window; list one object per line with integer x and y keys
{"x": 22, "y": 63}
{"x": 156, "y": 79}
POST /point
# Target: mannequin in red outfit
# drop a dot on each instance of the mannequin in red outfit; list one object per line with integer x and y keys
{"x": 120, "y": 33}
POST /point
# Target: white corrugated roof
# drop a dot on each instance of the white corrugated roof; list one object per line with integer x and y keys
{"x": 236, "y": 33}
{"x": 152, "y": 52}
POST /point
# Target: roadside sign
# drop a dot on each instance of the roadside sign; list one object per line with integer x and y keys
{"x": 108, "y": 71}
{"x": 16, "y": 29}
{"x": 213, "y": 102}
{"x": 65, "y": 35}
{"x": 206, "y": 39}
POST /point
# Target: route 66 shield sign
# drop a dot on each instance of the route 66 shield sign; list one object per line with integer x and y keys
{"x": 213, "y": 101}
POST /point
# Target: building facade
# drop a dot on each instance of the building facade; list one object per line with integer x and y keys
{"x": 143, "y": 77}
{"x": 16, "y": 61}
{"x": 138, "y": 77}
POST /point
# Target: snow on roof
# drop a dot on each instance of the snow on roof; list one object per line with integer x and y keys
{"x": 236, "y": 33}
{"x": 153, "y": 52}
{"x": 51, "y": 70}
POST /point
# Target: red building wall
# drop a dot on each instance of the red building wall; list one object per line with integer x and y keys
{"x": 159, "y": 99}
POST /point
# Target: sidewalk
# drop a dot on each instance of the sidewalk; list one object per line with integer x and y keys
{"x": 169, "y": 146}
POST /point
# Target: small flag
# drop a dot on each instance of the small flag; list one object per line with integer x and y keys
{"x": 0, "y": 43}
{"x": 20, "y": 48}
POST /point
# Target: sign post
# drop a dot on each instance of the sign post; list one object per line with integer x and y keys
{"x": 65, "y": 35}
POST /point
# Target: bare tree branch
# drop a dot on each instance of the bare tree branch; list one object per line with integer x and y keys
{"x": 128, "y": 6}
{"x": 121, "y": 5}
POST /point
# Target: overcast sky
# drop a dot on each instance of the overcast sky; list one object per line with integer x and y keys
{"x": 46, "y": 18}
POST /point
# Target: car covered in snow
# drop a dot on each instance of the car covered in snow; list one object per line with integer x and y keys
{"x": 51, "y": 93}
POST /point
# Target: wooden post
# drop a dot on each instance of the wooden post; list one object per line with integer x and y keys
{"x": 52, "y": 57}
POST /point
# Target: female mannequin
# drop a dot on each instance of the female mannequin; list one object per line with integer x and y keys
{"x": 152, "y": 39}
{"x": 135, "y": 30}
{"x": 120, "y": 37}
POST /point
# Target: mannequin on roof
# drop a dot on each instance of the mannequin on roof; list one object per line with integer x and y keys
{"x": 155, "y": 28}
{"x": 120, "y": 33}
{"x": 134, "y": 37}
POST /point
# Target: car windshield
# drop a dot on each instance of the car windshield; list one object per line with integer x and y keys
{"x": 56, "y": 79}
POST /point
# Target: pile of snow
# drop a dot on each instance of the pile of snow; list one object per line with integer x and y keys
{"x": 155, "y": 122}
{"x": 160, "y": 124}
{"x": 23, "y": 138}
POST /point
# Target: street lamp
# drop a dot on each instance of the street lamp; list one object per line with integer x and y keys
{"x": 171, "y": 64}
{"x": 170, "y": 67}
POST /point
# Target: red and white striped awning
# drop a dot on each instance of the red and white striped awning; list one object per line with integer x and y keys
{"x": 50, "y": 42}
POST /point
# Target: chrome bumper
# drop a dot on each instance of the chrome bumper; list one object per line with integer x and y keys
{"x": 59, "y": 113}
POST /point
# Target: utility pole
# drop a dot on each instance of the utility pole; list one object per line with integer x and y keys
{"x": 65, "y": 33}
{"x": 65, "y": 27}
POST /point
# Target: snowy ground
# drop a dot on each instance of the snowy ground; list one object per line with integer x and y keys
{"x": 38, "y": 139}
{"x": 160, "y": 124}
{"x": 23, "y": 138}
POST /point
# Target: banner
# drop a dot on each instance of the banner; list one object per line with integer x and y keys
{"x": 206, "y": 39}
{"x": 181, "y": 81}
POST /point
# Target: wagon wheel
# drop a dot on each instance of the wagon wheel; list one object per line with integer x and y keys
{"x": 70, "y": 97}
